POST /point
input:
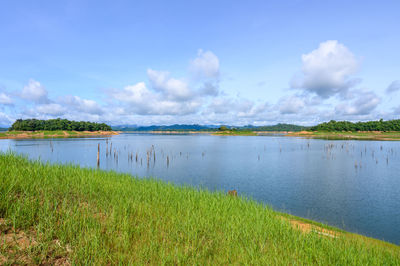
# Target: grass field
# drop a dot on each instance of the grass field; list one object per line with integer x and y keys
{"x": 58, "y": 214}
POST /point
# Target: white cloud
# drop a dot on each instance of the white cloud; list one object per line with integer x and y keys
{"x": 236, "y": 110}
{"x": 83, "y": 105}
{"x": 5, "y": 99}
{"x": 221, "y": 106}
{"x": 224, "y": 105}
{"x": 143, "y": 101}
{"x": 135, "y": 94}
{"x": 5, "y": 119}
{"x": 173, "y": 89}
{"x": 393, "y": 87}
{"x": 205, "y": 65}
{"x": 365, "y": 102}
{"x": 209, "y": 89}
{"x": 327, "y": 70}
{"x": 52, "y": 109}
{"x": 291, "y": 104}
{"x": 35, "y": 92}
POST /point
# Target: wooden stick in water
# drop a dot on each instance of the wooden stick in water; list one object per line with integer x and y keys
{"x": 98, "y": 154}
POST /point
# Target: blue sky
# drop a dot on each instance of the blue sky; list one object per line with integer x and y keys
{"x": 207, "y": 62}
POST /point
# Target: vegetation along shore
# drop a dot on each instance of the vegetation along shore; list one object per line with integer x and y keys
{"x": 53, "y": 134}
{"x": 64, "y": 214}
{"x": 55, "y": 128}
{"x": 370, "y": 130}
{"x": 343, "y": 135}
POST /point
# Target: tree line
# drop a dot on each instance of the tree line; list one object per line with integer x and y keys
{"x": 281, "y": 127}
{"x": 57, "y": 124}
{"x": 390, "y": 125}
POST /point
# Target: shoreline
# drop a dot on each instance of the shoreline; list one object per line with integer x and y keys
{"x": 368, "y": 135}
{"x": 360, "y": 135}
{"x": 53, "y": 134}
{"x": 216, "y": 133}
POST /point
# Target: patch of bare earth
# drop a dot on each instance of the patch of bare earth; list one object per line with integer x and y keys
{"x": 310, "y": 228}
{"x": 300, "y": 133}
{"x": 22, "y": 135}
{"x": 19, "y": 247}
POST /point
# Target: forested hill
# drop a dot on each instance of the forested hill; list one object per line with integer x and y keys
{"x": 277, "y": 127}
{"x": 390, "y": 125}
{"x": 182, "y": 127}
{"x": 57, "y": 124}
{"x": 175, "y": 127}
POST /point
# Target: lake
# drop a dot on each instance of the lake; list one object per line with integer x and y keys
{"x": 353, "y": 185}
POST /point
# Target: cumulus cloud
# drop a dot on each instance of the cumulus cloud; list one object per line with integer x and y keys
{"x": 209, "y": 89}
{"x": 205, "y": 65}
{"x": 363, "y": 104}
{"x": 327, "y": 70}
{"x": 164, "y": 99}
{"x": 35, "y": 92}
{"x": 220, "y": 106}
{"x": 144, "y": 101}
{"x": 5, "y": 99}
{"x": 52, "y": 109}
{"x": 134, "y": 93}
{"x": 238, "y": 111}
{"x": 226, "y": 105}
{"x": 5, "y": 119}
{"x": 393, "y": 87}
{"x": 83, "y": 105}
{"x": 165, "y": 95}
{"x": 291, "y": 104}
{"x": 253, "y": 111}
{"x": 171, "y": 88}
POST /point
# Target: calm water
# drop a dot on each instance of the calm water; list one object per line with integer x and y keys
{"x": 354, "y": 185}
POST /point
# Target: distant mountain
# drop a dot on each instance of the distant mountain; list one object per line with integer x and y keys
{"x": 175, "y": 127}
{"x": 195, "y": 127}
{"x": 277, "y": 127}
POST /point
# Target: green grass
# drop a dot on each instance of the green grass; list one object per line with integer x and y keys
{"x": 358, "y": 135}
{"x": 12, "y": 133}
{"x": 53, "y": 133}
{"x": 100, "y": 217}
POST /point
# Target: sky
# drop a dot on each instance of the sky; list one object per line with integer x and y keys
{"x": 200, "y": 62}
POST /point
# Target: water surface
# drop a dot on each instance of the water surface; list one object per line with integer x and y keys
{"x": 354, "y": 185}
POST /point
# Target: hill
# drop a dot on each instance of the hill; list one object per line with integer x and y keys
{"x": 196, "y": 127}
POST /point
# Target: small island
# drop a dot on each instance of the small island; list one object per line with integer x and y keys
{"x": 55, "y": 128}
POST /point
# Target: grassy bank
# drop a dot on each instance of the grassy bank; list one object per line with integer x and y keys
{"x": 66, "y": 214}
{"x": 359, "y": 135}
{"x": 52, "y": 134}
